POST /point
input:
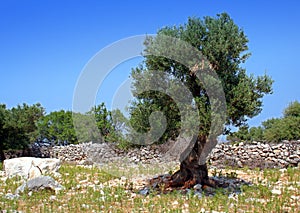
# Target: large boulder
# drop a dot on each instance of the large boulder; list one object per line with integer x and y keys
{"x": 30, "y": 167}
{"x": 40, "y": 183}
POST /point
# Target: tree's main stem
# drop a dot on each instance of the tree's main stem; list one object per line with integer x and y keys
{"x": 190, "y": 172}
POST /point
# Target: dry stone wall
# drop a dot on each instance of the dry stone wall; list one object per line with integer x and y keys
{"x": 256, "y": 154}
{"x": 240, "y": 154}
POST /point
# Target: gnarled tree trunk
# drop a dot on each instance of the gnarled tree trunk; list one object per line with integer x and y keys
{"x": 191, "y": 172}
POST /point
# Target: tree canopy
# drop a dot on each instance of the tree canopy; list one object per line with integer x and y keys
{"x": 57, "y": 128}
{"x": 224, "y": 45}
{"x": 18, "y": 126}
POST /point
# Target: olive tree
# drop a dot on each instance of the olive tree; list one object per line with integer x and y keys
{"x": 223, "y": 48}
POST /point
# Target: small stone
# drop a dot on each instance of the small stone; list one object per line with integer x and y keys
{"x": 198, "y": 194}
{"x": 155, "y": 185}
{"x": 52, "y": 197}
{"x": 188, "y": 191}
{"x": 144, "y": 191}
{"x": 232, "y": 196}
{"x": 276, "y": 192}
{"x": 11, "y": 196}
{"x": 283, "y": 170}
{"x": 85, "y": 206}
{"x": 208, "y": 189}
{"x": 123, "y": 178}
{"x": 256, "y": 200}
{"x": 3, "y": 179}
{"x": 291, "y": 161}
{"x": 175, "y": 203}
{"x": 294, "y": 156}
{"x": 202, "y": 210}
{"x": 295, "y": 197}
{"x": 291, "y": 188}
{"x": 240, "y": 164}
{"x": 198, "y": 187}
{"x": 133, "y": 195}
{"x": 277, "y": 151}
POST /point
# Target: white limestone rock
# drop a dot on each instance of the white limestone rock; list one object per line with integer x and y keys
{"x": 30, "y": 167}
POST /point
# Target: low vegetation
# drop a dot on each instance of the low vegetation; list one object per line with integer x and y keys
{"x": 23, "y": 125}
{"x": 89, "y": 189}
{"x": 274, "y": 129}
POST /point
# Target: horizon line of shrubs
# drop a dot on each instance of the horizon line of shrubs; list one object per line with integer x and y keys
{"x": 23, "y": 125}
{"x": 272, "y": 130}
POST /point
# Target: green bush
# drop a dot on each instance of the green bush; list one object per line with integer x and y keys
{"x": 283, "y": 129}
{"x": 18, "y": 126}
{"x": 274, "y": 129}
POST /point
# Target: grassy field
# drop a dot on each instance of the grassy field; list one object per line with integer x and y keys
{"x": 90, "y": 189}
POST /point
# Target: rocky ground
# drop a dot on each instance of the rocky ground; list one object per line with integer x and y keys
{"x": 87, "y": 189}
{"x": 103, "y": 178}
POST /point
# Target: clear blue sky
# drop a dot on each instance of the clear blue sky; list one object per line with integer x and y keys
{"x": 44, "y": 45}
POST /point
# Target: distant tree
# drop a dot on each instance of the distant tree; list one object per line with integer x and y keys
{"x": 85, "y": 129}
{"x": 105, "y": 128}
{"x": 286, "y": 128}
{"x": 18, "y": 126}
{"x": 103, "y": 119}
{"x": 246, "y": 134}
{"x": 256, "y": 133}
{"x": 3, "y": 130}
{"x": 293, "y": 110}
{"x": 122, "y": 129}
{"x": 224, "y": 45}
{"x": 119, "y": 122}
{"x": 274, "y": 129}
{"x": 57, "y": 127}
{"x": 241, "y": 135}
{"x": 104, "y": 122}
{"x": 21, "y": 125}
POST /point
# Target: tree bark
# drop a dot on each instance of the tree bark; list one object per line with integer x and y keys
{"x": 191, "y": 172}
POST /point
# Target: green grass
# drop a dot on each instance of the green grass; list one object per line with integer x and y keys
{"x": 88, "y": 190}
